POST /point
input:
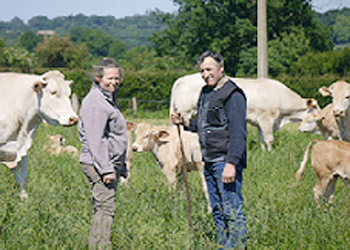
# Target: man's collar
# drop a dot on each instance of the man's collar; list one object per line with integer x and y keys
{"x": 221, "y": 82}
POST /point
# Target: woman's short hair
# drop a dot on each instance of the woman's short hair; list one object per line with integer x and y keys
{"x": 216, "y": 56}
{"x": 106, "y": 62}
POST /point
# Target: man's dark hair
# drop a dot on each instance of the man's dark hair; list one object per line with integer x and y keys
{"x": 216, "y": 56}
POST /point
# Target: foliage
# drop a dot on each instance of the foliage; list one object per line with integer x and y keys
{"x": 342, "y": 29}
{"x": 332, "y": 62}
{"x": 29, "y": 40}
{"x": 17, "y": 58}
{"x": 98, "y": 42}
{"x": 281, "y": 213}
{"x": 229, "y": 27}
{"x": 58, "y": 51}
{"x": 134, "y": 30}
{"x": 338, "y": 21}
{"x": 283, "y": 52}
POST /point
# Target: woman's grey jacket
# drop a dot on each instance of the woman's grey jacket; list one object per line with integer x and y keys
{"x": 102, "y": 131}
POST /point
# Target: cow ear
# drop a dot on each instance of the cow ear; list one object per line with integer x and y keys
{"x": 130, "y": 126}
{"x": 38, "y": 86}
{"x": 70, "y": 83}
{"x": 312, "y": 103}
{"x": 325, "y": 91}
{"x": 163, "y": 134}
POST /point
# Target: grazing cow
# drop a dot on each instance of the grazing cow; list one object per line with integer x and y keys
{"x": 25, "y": 101}
{"x": 130, "y": 127}
{"x": 270, "y": 104}
{"x": 163, "y": 142}
{"x": 330, "y": 159}
{"x": 321, "y": 122}
{"x": 57, "y": 145}
{"x": 340, "y": 92}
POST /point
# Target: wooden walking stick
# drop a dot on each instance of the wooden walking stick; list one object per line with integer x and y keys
{"x": 184, "y": 167}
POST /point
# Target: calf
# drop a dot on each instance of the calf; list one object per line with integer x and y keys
{"x": 163, "y": 142}
{"x": 130, "y": 127}
{"x": 340, "y": 93}
{"x": 321, "y": 121}
{"x": 57, "y": 146}
{"x": 330, "y": 159}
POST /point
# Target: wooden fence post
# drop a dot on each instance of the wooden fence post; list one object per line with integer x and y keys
{"x": 134, "y": 105}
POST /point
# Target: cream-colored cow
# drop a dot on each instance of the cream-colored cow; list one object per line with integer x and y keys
{"x": 57, "y": 145}
{"x": 340, "y": 93}
{"x": 26, "y": 101}
{"x": 330, "y": 159}
{"x": 270, "y": 104}
{"x": 321, "y": 122}
{"x": 130, "y": 127}
{"x": 163, "y": 142}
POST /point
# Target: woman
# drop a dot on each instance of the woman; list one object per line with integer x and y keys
{"x": 102, "y": 131}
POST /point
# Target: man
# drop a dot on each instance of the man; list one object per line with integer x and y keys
{"x": 221, "y": 126}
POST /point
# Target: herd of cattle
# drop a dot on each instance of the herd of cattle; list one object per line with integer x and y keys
{"x": 27, "y": 100}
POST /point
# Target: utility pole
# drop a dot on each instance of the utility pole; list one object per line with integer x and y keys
{"x": 262, "y": 40}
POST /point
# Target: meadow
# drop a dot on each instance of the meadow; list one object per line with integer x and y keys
{"x": 281, "y": 213}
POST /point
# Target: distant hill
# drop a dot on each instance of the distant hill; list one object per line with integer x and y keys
{"x": 134, "y": 30}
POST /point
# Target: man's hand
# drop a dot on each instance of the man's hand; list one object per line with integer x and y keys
{"x": 229, "y": 173}
{"x": 177, "y": 118}
{"x": 109, "y": 178}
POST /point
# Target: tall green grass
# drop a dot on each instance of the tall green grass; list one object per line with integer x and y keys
{"x": 281, "y": 213}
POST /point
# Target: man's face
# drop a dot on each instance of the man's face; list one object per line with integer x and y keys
{"x": 210, "y": 71}
{"x": 110, "y": 80}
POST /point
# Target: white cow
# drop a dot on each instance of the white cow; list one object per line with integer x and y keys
{"x": 270, "y": 104}
{"x": 321, "y": 122}
{"x": 163, "y": 142}
{"x": 25, "y": 101}
{"x": 340, "y": 92}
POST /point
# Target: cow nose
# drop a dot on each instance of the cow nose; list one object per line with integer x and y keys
{"x": 339, "y": 113}
{"x": 134, "y": 148}
{"x": 72, "y": 121}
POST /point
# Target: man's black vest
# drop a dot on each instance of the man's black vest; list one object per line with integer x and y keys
{"x": 213, "y": 128}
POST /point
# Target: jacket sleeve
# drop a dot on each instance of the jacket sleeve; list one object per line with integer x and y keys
{"x": 236, "y": 109}
{"x": 95, "y": 121}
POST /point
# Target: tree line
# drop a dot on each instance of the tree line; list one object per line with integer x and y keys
{"x": 302, "y": 43}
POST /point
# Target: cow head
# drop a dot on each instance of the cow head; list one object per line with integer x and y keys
{"x": 340, "y": 93}
{"x": 55, "y": 105}
{"x": 148, "y": 137}
{"x": 310, "y": 123}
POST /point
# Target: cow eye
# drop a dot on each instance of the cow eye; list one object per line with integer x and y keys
{"x": 348, "y": 97}
{"x": 53, "y": 92}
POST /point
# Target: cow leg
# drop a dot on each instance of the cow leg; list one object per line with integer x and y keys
{"x": 21, "y": 175}
{"x": 330, "y": 189}
{"x": 171, "y": 178}
{"x": 266, "y": 134}
{"x": 323, "y": 184}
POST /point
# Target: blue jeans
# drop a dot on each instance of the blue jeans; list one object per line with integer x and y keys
{"x": 227, "y": 204}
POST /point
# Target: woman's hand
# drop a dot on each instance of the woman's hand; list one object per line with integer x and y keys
{"x": 109, "y": 178}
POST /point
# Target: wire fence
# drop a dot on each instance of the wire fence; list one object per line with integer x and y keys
{"x": 143, "y": 105}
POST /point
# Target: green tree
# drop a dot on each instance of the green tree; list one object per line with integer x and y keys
{"x": 342, "y": 29}
{"x": 283, "y": 53}
{"x": 29, "y": 40}
{"x": 229, "y": 27}
{"x": 58, "y": 51}
{"x": 98, "y": 42}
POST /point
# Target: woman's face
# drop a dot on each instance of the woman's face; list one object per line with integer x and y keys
{"x": 110, "y": 80}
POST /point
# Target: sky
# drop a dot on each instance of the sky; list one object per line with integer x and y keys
{"x": 27, "y": 9}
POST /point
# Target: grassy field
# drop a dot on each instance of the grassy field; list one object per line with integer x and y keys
{"x": 281, "y": 213}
